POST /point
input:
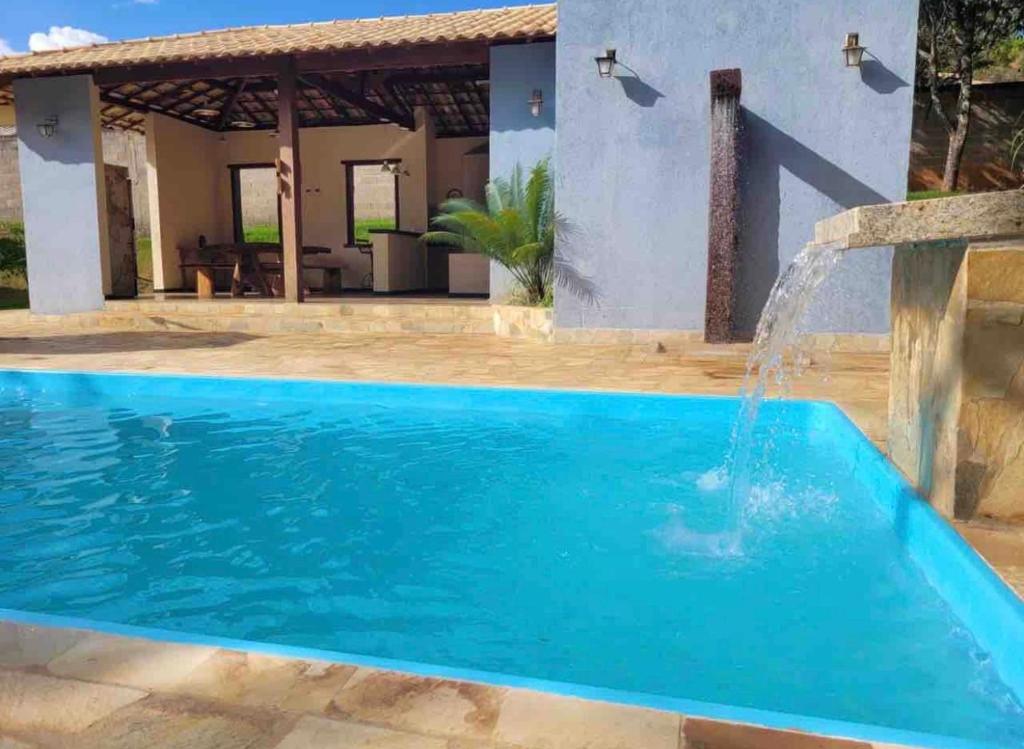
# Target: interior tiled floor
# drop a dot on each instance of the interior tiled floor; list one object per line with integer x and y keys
{"x": 67, "y": 688}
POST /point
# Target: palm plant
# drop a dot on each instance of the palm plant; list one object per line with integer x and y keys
{"x": 516, "y": 228}
{"x": 1017, "y": 147}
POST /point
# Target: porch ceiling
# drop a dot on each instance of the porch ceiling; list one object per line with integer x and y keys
{"x": 456, "y": 98}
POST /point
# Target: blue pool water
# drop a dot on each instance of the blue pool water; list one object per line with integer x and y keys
{"x": 572, "y": 538}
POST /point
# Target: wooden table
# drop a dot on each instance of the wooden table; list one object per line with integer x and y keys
{"x": 247, "y": 267}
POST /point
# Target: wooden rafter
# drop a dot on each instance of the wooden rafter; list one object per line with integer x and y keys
{"x": 343, "y": 93}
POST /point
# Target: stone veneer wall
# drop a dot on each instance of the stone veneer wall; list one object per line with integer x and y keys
{"x": 956, "y": 403}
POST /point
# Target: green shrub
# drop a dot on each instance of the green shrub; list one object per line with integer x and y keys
{"x": 12, "y": 248}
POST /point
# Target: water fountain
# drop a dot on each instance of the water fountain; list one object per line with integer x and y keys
{"x": 956, "y": 403}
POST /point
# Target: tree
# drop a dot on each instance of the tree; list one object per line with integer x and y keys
{"x": 952, "y": 34}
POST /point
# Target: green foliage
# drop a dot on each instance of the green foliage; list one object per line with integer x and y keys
{"x": 956, "y": 36}
{"x": 12, "y": 248}
{"x": 516, "y": 228}
{"x": 1006, "y": 53}
{"x": 13, "y": 298}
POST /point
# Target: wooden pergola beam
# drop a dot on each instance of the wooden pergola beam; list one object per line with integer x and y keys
{"x": 354, "y": 60}
{"x": 336, "y": 90}
{"x": 289, "y": 176}
{"x": 229, "y": 105}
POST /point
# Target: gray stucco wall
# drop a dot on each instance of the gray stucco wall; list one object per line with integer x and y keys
{"x": 59, "y": 194}
{"x": 632, "y": 152}
{"x": 516, "y": 135}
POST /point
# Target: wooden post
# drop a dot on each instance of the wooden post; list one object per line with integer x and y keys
{"x": 723, "y": 213}
{"x": 289, "y": 181}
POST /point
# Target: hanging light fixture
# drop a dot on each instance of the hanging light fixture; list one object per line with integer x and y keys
{"x": 853, "y": 53}
{"x": 606, "y": 63}
{"x": 48, "y": 127}
{"x": 536, "y": 102}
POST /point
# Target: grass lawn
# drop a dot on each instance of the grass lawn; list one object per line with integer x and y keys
{"x": 364, "y": 225}
{"x": 270, "y": 233}
{"x": 931, "y": 194}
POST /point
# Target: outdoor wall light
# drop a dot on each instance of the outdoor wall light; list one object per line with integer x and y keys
{"x": 536, "y": 102}
{"x": 606, "y": 63}
{"x": 853, "y": 53}
{"x": 48, "y": 127}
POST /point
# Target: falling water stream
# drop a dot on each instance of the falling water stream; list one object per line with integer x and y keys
{"x": 776, "y": 358}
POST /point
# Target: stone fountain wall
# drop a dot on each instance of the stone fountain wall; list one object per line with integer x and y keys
{"x": 956, "y": 396}
{"x": 956, "y": 399}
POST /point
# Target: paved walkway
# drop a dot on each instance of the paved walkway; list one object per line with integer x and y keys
{"x": 70, "y": 689}
{"x": 65, "y": 688}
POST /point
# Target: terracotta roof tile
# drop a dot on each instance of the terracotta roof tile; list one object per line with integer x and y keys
{"x": 521, "y": 22}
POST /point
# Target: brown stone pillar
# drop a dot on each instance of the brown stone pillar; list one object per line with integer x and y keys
{"x": 723, "y": 212}
{"x": 289, "y": 175}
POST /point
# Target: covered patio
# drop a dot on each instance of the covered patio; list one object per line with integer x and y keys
{"x": 353, "y": 131}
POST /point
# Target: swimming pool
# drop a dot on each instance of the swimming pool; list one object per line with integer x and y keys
{"x": 566, "y": 541}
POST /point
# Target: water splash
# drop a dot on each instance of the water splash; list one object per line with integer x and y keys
{"x": 776, "y": 356}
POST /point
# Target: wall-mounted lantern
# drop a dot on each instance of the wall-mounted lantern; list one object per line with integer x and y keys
{"x": 48, "y": 127}
{"x": 536, "y": 102}
{"x": 853, "y": 53}
{"x": 606, "y": 63}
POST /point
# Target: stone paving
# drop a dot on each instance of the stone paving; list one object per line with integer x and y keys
{"x": 66, "y": 688}
{"x": 62, "y": 688}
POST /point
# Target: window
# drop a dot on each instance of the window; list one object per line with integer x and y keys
{"x": 255, "y": 204}
{"x": 371, "y": 193}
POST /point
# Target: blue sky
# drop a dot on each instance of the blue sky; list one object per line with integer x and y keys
{"x": 126, "y": 19}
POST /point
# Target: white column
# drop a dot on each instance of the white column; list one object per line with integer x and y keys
{"x": 63, "y": 193}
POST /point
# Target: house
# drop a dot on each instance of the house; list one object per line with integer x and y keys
{"x": 422, "y": 98}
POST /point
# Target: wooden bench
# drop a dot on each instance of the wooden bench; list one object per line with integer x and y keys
{"x": 205, "y": 264}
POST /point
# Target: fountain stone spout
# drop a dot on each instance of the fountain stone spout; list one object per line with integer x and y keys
{"x": 956, "y": 390}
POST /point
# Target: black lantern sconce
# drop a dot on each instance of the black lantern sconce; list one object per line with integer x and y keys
{"x": 393, "y": 166}
{"x": 606, "y": 63}
{"x": 48, "y": 127}
{"x": 536, "y": 102}
{"x": 853, "y": 53}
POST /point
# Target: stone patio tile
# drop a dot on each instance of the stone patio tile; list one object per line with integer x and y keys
{"x": 166, "y": 722}
{"x": 6, "y": 742}
{"x": 25, "y": 645}
{"x": 33, "y": 702}
{"x": 321, "y": 733}
{"x": 254, "y": 679}
{"x": 133, "y": 662}
{"x": 436, "y": 706}
{"x": 544, "y": 721}
{"x": 699, "y": 733}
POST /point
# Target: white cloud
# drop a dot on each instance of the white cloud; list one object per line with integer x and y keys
{"x": 6, "y": 49}
{"x": 61, "y": 37}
